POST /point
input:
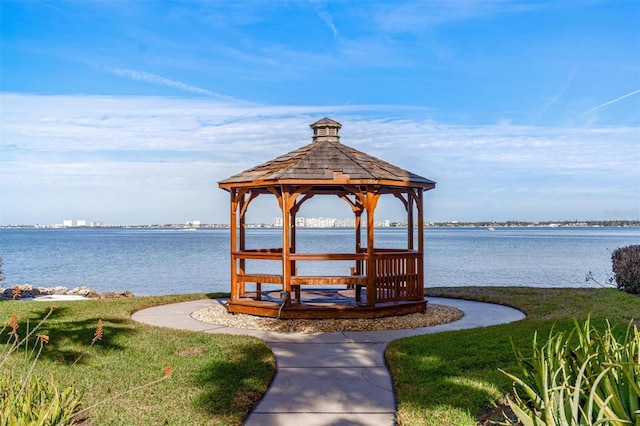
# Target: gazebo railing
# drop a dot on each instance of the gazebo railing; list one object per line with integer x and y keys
{"x": 398, "y": 272}
{"x": 398, "y": 275}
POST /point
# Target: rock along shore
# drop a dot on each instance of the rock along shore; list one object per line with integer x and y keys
{"x": 28, "y": 291}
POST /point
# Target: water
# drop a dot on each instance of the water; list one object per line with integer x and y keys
{"x": 153, "y": 261}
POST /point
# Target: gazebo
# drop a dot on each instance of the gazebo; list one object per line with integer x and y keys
{"x": 380, "y": 281}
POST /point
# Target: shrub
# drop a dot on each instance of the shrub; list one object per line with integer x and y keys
{"x": 27, "y": 398}
{"x": 36, "y": 400}
{"x": 595, "y": 382}
{"x": 626, "y": 268}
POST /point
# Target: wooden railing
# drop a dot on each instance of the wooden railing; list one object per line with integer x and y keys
{"x": 399, "y": 275}
{"x": 259, "y": 254}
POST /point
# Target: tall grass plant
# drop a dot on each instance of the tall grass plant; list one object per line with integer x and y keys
{"x": 215, "y": 379}
{"x": 583, "y": 377}
{"x": 453, "y": 378}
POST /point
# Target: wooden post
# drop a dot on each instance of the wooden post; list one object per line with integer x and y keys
{"x": 370, "y": 202}
{"x": 420, "y": 206}
{"x": 232, "y": 226}
{"x": 292, "y": 214}
{"x": 356, "y": 207}
{"x": 241, "y": 242}
{"x": 286, "y": 244}
{"x": 409, "y": 206}
{"x": 359, "y": 270}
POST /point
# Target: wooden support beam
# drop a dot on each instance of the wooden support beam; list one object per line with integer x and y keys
{"x": 287, "y": 204}
{"x": 252, "y": 196}
{"x": 369, "y": 201}
{"x": 420, "y": 207}
{"x": 233, "y": 204}
{"x": 409, "y": 206}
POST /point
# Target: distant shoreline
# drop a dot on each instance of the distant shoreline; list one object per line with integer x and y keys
{"x": 452, "y": 224}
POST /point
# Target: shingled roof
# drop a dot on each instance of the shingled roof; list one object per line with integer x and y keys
{"x": 326, "y": 161}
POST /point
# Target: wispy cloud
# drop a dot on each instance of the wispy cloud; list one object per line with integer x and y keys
{"x": 415, "y": 16}
{"x": 159, "y": 80}
{"x": 613, "y": 101}
{"x": 132, "y": 154}
{"x": 326, "y": 17}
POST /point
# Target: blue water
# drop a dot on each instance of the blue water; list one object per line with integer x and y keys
{"x": 153, "y": 261}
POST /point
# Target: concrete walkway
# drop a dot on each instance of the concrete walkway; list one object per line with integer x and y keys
{"x": 328, "y": 378}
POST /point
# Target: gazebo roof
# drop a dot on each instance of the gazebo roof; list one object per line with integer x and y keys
{"x": 326, "y": 162}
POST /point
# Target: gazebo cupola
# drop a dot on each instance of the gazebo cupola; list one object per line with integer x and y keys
{"x": 326, "y": 130}
{"x": 380, "y": 282}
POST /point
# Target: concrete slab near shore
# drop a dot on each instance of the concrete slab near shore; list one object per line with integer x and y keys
{"x": 57, "y": 297}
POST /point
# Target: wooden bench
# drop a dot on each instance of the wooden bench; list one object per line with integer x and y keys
{"x": 258, "y": 279}
{"x": 351, "y": 281}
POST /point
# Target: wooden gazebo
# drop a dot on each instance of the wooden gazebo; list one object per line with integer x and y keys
{"x": 380, "y": 282}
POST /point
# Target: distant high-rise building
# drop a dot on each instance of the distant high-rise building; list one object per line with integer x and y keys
{"x": 81, "y": 222}
{"x": 67, "y": 223}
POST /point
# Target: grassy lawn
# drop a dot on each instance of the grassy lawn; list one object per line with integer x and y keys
{"x": 451, "y": 378}
{"x": 217, "y": 378}
{"x": 442, "y": 379}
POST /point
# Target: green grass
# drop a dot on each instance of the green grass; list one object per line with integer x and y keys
{"x": 442, "y": 379}
{"x": 449, "y": 378}
{"x": 217, "y": 378}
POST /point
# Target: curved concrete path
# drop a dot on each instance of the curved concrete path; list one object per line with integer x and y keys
{"x": 328, "y": 378}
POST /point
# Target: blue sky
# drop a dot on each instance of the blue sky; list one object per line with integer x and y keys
{"x": 130, "y": 112}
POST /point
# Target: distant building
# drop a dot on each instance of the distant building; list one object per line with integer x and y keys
{"x": 328, "y": 222}
{"x": 67, "y": 222}
{"x": 81, "y": 222}
{"x": 320, "y": 222}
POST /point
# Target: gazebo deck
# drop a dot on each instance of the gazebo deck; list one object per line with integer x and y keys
{"x": 321, "y": 303}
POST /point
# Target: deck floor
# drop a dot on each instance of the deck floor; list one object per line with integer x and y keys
{"x": 319, "y": 295}
{"x": 322, "y": 303}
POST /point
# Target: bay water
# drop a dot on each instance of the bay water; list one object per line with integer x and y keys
{"x": 165, "y": 261}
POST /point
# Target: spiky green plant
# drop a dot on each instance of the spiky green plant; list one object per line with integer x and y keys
{"x": 36, "y": 400}
{"x": 30, "y": 399}
{"x": 27, "y": 398}
{"x": 584, "y": 377}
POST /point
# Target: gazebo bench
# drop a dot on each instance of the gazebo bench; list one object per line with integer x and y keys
{"x": 351, "y": 281}
{"x": 258, "y": 279}
{"x": 357, "y": 281}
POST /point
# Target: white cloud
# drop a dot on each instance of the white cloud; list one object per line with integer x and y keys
{"x": 170, "y": 149}
{"x": 416, "y": 16}
{"x": 613, "y": 101}
{"x": 328, "y": 20}
{"x": 162, "y": 81}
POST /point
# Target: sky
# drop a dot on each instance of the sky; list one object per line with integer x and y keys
{"x": 130, "y": 112}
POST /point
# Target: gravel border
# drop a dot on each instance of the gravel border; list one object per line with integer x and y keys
{"x": 435, "y": 314}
